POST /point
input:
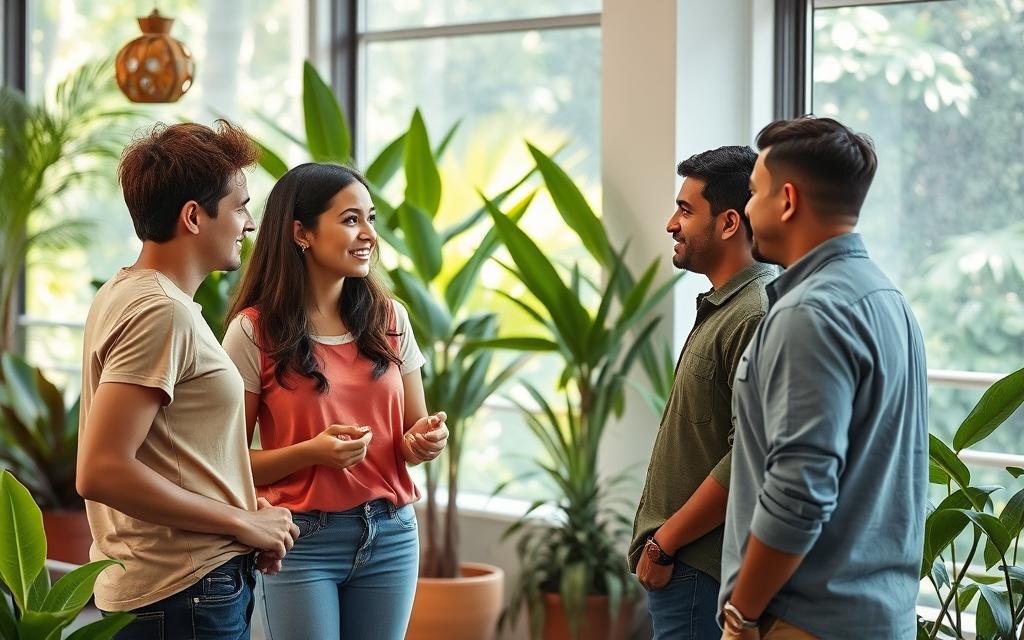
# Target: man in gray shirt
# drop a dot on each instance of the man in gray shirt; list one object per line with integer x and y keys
{"x": 825, "y": 521}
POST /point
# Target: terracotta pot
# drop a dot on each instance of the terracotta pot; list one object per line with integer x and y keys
{"x": 464, "y": 608}
{"x": 597, "y": 622}
{"x": 67, "y": 536}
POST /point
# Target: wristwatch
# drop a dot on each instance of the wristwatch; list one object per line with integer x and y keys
{"x": 735, "y": 620}
{"x": 656, "y": 554}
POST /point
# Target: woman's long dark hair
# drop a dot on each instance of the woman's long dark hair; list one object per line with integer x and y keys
{"x": 275, "y": 280}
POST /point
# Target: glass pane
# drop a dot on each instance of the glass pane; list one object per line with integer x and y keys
{"x": 938, "y": 86}
{"x": 248, "y": 58}
{"x": 383, "y": 15}
{"x": 503, "y": 89}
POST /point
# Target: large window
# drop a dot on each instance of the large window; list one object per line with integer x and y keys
{"x": 248, "y": 56}
{"x": 938, "y": 86}
{"x": 508, "y": 72}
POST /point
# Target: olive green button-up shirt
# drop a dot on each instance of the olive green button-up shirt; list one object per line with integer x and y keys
{"x": 694, "y": 440}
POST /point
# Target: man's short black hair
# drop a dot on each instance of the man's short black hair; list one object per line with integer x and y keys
{"x": 836, "y": 163}
{"x": 726, "y": 175}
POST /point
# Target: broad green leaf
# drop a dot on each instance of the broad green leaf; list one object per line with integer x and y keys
{"x": 1012, "y": 515}
{"x": 941, "y": 528}
{"x": 45, "y": 625}
{"x": 432, "y": 322}
{"x": 1016, "y": 472}
{"x": 993, "y": 613}
{"x": 463, "y": 281}
{"x": 936, "y": 475}
{"x": 514, "y": 343}
{"x": 104, "y": 629}
{"x": 540, "y": 277}
{"x": 946, "y": 460}
{"x": 327, "y": 132}
{"x": 422, "y": 179}
{"x": 8, "y": 625}
{"x": 22, "y": 542}
{"x": 971, "y": 497}
{"x": 21, "y": 393}
{"x": 37, "y": 592}
{"x": 421, "y": 239}
{"x": 387, "y": 163}
{"x": 270, "y": 161}
{"x": 573, "y": 207}
{"x": 992, "y": 527}
{"x": 966, "y": 595}
{"x": 996, "y": 405}
{"x": 74, "y": 589}
{"x": 939, "y": 574}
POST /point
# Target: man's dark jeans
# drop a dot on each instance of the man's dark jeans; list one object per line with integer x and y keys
{"x": 218, "y": 606}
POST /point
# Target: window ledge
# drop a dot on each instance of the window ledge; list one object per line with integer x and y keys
{"x": 497, "y": 509}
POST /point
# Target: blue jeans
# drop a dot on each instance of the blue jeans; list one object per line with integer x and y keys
{"x": 218, "y": 606}
{"x": 687, "y": 607}
{"x": 351, "y": 575}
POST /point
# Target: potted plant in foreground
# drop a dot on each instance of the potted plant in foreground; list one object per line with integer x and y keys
{"x": 995, "y": 579}
{"x": 41, "y": 611}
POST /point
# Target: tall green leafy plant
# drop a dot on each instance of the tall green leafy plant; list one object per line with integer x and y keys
{"x": 994, "y": 579}
{"x": 42, "y": 610}
{"x": 433, "y": 281}
{"x": 45, "y": 149}
{"x": 38, "y": 434}
{"x": 579, "y": 554}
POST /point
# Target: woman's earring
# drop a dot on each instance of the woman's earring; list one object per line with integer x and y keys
{"x": 302, "y": 248}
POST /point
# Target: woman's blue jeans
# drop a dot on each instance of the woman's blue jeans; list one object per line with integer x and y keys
{"x": 351, "y": 575}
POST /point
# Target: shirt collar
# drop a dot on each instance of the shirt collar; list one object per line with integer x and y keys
{"x": 847, "y": 244}
{"x": 720, "y": 296}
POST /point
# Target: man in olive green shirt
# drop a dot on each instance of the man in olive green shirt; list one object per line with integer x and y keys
{"x": 677, "y": 535}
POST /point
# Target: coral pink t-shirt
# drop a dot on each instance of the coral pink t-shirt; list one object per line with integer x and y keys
{"x": 290, "y": 416}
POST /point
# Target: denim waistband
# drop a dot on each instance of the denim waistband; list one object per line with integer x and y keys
{"x": 378, "y": 506}
{"x": 245, "y": 561}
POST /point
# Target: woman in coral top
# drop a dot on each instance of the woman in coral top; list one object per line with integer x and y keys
{"x": 331, "y": 373}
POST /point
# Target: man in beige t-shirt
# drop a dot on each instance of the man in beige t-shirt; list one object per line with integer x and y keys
{"x": 163, "y": 458}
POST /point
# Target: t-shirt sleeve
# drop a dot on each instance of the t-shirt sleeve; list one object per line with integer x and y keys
{"x": 152, "y": 346}
{"x": 408, "y": 351}
{"x": 240, "y": 345}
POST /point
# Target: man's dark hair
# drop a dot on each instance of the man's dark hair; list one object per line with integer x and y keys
{"x": 171, "y": 165}
{"x": 836, "y": 165}
{"x": 726, "y": 175}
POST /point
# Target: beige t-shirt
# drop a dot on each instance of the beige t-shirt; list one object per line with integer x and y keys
{"x": 143, "y": 330}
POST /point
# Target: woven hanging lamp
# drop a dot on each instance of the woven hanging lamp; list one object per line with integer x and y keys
{"x": 154, "y": 67}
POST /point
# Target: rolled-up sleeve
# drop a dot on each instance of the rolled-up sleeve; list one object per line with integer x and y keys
{"x": 807, "y": 380}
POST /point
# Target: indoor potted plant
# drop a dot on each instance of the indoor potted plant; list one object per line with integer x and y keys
{"x": 39, "y": 444}
{"x": 574, "y": 579}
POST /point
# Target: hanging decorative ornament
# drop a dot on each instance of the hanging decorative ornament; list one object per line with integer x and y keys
{"x": 154, "y": 67}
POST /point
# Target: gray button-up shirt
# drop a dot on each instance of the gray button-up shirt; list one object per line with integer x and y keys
{"x": 831, "y": 451}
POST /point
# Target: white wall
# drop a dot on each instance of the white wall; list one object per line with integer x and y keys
{"x": 678, "y": 77}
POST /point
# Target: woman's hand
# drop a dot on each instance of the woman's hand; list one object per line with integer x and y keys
{"x": 339, "y": 446}
{"x": 426, "y": 439}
